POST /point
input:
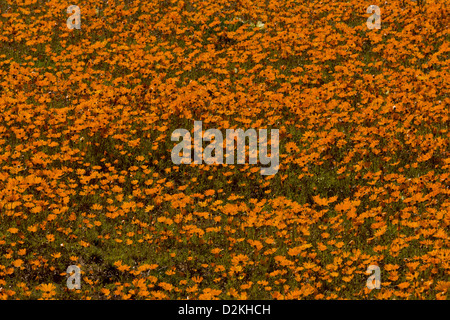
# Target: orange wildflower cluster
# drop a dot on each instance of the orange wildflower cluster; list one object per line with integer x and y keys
{"x": 86, "y": 172}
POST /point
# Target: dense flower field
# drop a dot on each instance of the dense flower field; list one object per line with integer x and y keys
{"x": 85, "y": 161}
